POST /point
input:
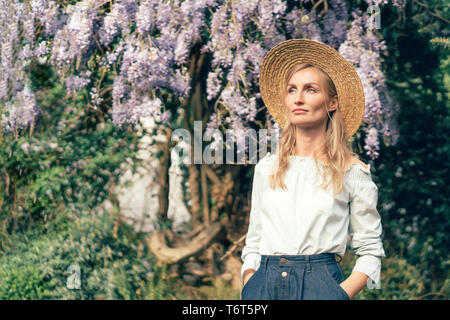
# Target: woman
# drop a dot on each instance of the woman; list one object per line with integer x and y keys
{"x": 308, "y": 196}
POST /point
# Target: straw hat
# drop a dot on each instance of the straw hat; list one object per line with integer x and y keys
{"x": 280, "y": 58}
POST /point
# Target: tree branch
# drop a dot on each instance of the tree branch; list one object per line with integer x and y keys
{"x": 194, "y": 192}
{"x": 431, "y": 12}
{"x": 164, "y": 162}
{"x": 158, "y": 244}
{"x": 205, "y": 196}
{"x": 233, "y": 247}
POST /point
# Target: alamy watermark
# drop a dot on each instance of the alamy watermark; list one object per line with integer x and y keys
{"x": 74, "y": 278}
{"x": 373, "y": 17}
{"x": 245, "y": 139}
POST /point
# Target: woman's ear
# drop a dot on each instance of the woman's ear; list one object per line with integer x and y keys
{"x": 332, "y": 106}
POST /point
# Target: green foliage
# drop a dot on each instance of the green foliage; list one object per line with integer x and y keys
{"x": 72, "y": 159}
{"x": 51, "y": 181}
{"x": 413, "y": 175}
{"x": 112, "y": 267}
{"x": 23, "y": 283}
{"x": 219, "y": 290}
{"x": 399, "y": 280}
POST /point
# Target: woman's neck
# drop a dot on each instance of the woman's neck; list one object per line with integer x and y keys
{"x": 307, "y": 142}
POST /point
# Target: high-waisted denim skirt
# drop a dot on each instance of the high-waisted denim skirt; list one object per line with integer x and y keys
{"x": 296, "y": 277}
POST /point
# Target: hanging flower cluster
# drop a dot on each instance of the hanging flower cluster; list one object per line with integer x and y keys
{"x": 147, "y": 44}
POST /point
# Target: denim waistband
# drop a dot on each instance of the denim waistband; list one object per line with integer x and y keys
{"x": 296, "y": 260}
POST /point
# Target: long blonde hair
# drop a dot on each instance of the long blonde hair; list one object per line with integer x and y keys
{"x": 335, "y": 153}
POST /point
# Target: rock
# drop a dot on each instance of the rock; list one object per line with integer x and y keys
{"x": 227, "y": 277}
{"x": 190, "y": 279}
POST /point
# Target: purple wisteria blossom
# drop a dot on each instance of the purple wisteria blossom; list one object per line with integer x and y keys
{"x": 213, "y": 85}
{"x": 238, "y": 105}
{"x": 335, "y": 24}
{"x": 119, "y": 19}
{"x": 148, "y": 108}
{"x": 76, "y": 37}
{"x": 146, "y": 16}
{"x": 363, "y": 48}
{"x": 372, "y": 145}
{"x": 157, "y": 62}
{"x": 149, "y": 45}
{"x": 180, "y": 83}
{"x": 21, "y": 111}
{"x": 95, "y": 97}
{"x": 17, "y": 50}
{"x": 75, "y": 83}
{"x": 49, "y": 14}
{"x": 213, "y": 133}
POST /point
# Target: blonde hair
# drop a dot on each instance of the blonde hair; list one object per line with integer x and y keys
{"x": 335, "y": 153}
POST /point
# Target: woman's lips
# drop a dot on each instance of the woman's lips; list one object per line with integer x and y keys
{"x": 298, "y": 110}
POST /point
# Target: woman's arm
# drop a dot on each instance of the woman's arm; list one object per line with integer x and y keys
{"x": 354, "y": 283}
{"x": 250, "y": 253}
{"x": 248, "y": 274}
{"x": 365, "y": 230}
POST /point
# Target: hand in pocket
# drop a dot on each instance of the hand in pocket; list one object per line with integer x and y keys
{"x": 248, "y": 274}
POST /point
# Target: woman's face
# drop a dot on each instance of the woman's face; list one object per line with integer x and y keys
{"x": 307, "y": 90}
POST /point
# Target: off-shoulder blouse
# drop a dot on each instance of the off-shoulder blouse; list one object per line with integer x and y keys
{"x": 305, "y": 219}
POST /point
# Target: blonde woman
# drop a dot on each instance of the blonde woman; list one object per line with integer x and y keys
{"x": 313, "y": 193}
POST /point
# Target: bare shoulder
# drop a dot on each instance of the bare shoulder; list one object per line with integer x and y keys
{"x": 357, "y": 161}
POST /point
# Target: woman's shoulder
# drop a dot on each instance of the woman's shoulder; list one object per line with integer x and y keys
{"x": 358, "y": 171}
{"x": 357, "y": 161}
{"x": 264, "y": 161}
{"x": 265, "y": 164}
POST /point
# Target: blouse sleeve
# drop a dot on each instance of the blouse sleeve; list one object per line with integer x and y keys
{"x": 250, "y": 253}
{"x": 365, "y": 227}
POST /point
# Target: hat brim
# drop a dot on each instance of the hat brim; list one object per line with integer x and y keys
{"x": 283, "y": 56}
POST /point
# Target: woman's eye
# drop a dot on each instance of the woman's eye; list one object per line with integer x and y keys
{"x": 308, "y": 89}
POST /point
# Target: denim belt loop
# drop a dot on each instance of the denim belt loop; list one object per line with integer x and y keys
{"x": 264, "y": 262}
{"x": 308, "y": 265}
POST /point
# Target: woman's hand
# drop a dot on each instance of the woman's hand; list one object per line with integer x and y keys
{"x": 248, "y": 274}
{"x": 354, "y": 283}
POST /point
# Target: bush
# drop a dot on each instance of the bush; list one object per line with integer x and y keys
{"x": 112, "y": 267}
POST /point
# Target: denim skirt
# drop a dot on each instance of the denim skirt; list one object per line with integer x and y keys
{"x": 296, "y": 277}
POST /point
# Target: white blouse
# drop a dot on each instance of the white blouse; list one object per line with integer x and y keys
{"x": 305, "y": 219}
